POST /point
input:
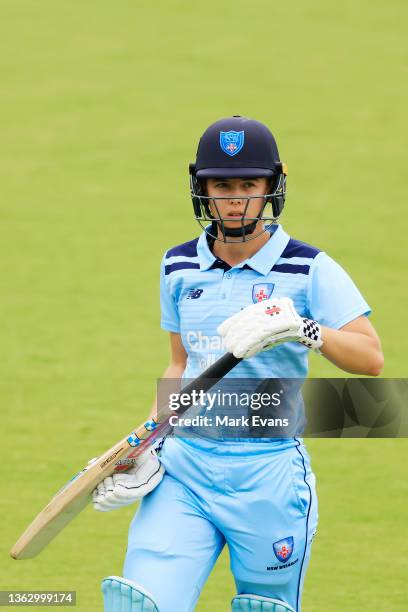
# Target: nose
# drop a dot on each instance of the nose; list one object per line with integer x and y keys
{"x": 235, "y": 197}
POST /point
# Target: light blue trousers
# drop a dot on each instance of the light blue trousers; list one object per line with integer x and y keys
{"x": 258, "y": 498}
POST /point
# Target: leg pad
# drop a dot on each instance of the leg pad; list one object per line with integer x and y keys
{"x": 122, "y": 595}
{"x": 255, "y": 603}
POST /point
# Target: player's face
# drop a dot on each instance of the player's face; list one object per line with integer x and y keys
{"x": 243, "y": 198}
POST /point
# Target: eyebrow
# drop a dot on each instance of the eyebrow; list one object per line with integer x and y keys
{"x": 234, "y": 178}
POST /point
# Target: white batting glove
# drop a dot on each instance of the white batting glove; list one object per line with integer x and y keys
{"x": 264, "y": 325}
{"x": 125, "y": 488}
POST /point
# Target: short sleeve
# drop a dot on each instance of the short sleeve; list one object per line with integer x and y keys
{"x": 333, "y": 298}
{"x": 170, "y": 319}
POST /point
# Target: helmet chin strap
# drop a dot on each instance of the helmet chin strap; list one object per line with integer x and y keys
{"x": 241, "y": 231}
{"x": 235, "y": 233}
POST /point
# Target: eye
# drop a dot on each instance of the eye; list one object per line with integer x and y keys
{"x": 249, "y": 184}
{"x": 221, "y": 185}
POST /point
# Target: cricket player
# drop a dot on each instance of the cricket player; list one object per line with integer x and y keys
{"x": 244, "y": 286}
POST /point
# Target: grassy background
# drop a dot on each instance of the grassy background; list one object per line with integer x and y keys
{"x": 101, "y": 107}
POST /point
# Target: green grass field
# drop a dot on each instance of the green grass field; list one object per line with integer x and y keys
{"x": 101, "y": 108}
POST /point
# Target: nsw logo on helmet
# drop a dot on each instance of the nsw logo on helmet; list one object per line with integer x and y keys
{"x": 232, "y": 142}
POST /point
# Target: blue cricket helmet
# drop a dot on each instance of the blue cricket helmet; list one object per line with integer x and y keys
{"x": 237, "y": 147}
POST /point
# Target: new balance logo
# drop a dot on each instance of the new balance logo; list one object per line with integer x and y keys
{"x": 194, "y": 294}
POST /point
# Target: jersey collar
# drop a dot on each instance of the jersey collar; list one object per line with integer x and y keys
{"x": 263, "y": 260}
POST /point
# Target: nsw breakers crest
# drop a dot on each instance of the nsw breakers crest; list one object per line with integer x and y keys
{"x": 232, "y": 142}
{"x": 262, "y": 291}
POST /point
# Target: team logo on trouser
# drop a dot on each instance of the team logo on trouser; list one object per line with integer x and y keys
{"x": 283, "y": 549}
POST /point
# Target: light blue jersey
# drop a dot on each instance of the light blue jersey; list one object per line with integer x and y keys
{"x": 199, "y": 291}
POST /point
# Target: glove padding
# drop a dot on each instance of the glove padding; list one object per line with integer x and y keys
{"x": 264, "y": 325}
{"x": 128, "y": 487}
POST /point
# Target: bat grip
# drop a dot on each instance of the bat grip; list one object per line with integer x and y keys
{"x": 205, "y": 381}
{"x": 211, "y": 375}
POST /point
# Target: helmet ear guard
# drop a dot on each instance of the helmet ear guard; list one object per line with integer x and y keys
{"x": 282, "y": 168}
{"x": 278, "y": 185}
{"x": 197, "y": 191}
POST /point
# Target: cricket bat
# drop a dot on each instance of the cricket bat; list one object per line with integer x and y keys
{"x": 76, "y": 494}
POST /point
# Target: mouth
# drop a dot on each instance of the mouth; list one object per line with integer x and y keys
{"x": 235, "y": 215}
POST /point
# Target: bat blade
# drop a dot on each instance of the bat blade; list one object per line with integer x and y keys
{"x": 76, "y": 494}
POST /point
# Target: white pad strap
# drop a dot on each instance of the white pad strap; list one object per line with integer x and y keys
{"x": 122, "y": 595}
{"x": 252, "y": 603}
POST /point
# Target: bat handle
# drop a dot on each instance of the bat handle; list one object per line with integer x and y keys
{"x": 215, "y": 372}
{"x": 221, "y": 367}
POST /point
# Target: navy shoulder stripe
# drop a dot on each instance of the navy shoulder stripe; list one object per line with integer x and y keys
{"x": 188, "y": 249}
{"x": 181, "y": 265}
{"x": 295, "y": 248}
{"x": 291, "y": 268}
